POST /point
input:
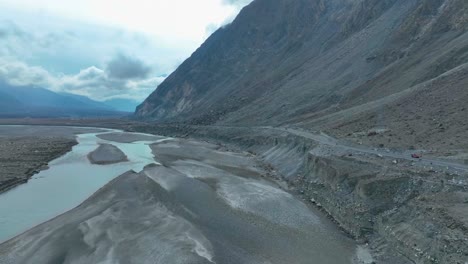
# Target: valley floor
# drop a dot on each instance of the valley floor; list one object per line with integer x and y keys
{"x": 196, "y": 202}
{"x": 408, "y": 210}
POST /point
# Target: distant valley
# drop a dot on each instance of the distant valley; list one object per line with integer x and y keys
{"x": 26, "y": 101}
{"x": 356, "y": 109}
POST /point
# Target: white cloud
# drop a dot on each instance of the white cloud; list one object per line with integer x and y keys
{"x": 174, "y": 19}
{"x": 238, "y": 3}
{"x": 82, "y": 46}
{"x": 92, "y": 82}
{"x": 61, "y": 45}
{"x": 19, "y": 74}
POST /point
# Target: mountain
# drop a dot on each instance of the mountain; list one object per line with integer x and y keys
{"x": 125, "y": 105}
{"x": 388, "y": 79}
{"x": 25, "y": 101}
{"x": 342, "y": 66}
{"x": 86, "y": 102}
{"x": 7, "y": 100}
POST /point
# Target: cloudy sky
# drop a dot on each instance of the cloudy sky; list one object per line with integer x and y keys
{"x": 103, "y": 49}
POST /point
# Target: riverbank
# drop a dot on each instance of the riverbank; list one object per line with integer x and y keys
{"x": 69, "y": 180}
{"x": 21, "y": 158}
{"x": 25, "y": 151}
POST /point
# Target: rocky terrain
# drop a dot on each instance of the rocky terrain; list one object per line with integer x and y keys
{"x": 341, "y": 66}
{"x": 409, "y": 211}
{"x": 337, "y": 96}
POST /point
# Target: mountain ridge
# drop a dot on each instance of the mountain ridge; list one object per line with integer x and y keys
{"x": 283, "y": 59}
{"x": 25, "y": 101}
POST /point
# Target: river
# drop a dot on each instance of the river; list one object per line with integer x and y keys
{"x": 68, "y": 182}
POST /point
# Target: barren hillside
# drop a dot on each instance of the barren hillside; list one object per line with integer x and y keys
{"x": 309, "y": 62}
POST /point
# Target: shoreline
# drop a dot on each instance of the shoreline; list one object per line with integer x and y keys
{"x": 40, "y": 163}
{"x": 26, "y": 152}
{"x": 67, "y": 211}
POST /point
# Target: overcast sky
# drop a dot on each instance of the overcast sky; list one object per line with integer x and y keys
{"x": 103, "y": 48}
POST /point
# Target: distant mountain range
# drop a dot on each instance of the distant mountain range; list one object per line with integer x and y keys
{"x": 26, "y": 101}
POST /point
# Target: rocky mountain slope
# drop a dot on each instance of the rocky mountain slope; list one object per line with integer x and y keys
{"x": 308, "y": 62}
{"x": 387, "y": 76}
